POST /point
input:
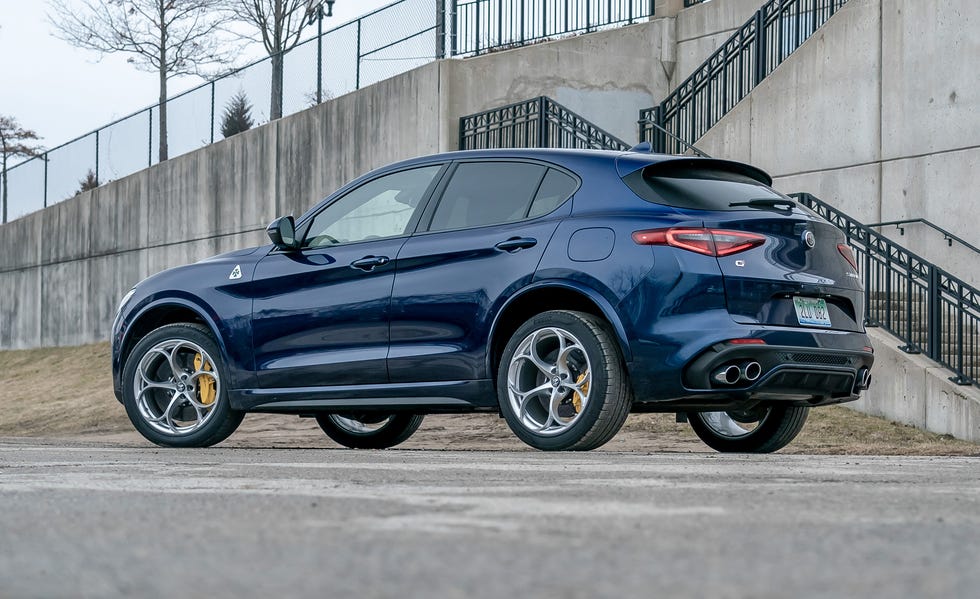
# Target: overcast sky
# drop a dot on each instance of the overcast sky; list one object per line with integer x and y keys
{"x": 62, "y": 92}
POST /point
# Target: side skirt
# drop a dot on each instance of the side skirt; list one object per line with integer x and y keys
{"x": 441, "y": 396}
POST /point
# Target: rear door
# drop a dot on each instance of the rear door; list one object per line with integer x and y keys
{"x": 800, "y": 276}
{"x": 478, "y": 244}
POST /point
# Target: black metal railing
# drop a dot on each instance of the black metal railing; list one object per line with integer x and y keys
{"x": 929, "y": 309}
{"x": 948, "y": 236}
{"x": 690, "y": 3}
{"x": 483, "y": 25}
{"x": 537, "y": 123}
{"x": 776, "y": 30}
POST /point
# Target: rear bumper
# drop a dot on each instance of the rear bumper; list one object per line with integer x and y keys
{"x": 785, "y": 372}
{"x": 794, "y": 365}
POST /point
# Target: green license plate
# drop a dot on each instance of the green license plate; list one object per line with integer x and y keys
{"x": 812, "y": 311}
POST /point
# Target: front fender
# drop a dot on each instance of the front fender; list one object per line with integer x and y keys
{"x": 232, "y": 334}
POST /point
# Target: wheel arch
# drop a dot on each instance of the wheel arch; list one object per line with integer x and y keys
{"x": 161, "y": 313}
{"x": 549, "y": 295}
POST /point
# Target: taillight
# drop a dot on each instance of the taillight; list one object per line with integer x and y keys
{"x": 845, "y": 251}
{"x": 710, "y": 242}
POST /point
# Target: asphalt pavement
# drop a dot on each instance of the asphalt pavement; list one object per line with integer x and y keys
{"x": 88, "y": 521}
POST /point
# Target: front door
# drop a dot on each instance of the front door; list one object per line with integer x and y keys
{"x": 321, "y": 314}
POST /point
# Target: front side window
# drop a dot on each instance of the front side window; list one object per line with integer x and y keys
{"x": 380, "y": 208}
{"x": 487, "y": 193}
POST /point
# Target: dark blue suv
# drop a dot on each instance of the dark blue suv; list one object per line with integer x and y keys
{"x": 563, "y": 289}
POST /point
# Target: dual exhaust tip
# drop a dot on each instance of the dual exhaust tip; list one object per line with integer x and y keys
{"x": 735, "y": 373}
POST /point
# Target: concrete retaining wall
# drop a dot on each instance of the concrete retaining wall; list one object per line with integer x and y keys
{"x": 914, "y": 390}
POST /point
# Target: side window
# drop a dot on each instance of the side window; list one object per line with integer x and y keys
{"x": 486, "y": 193}
{"x": 555, "y": 189}
{"x": 380, "y": 208}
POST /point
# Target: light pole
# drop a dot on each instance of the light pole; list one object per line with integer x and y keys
{"x": 315, "y": 10}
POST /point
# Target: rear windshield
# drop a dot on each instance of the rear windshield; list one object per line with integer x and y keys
{"x": 698, "y": 188}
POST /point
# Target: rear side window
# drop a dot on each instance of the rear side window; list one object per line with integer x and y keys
{"x": 698, "y": 188}
{"x": 554, "y": 190}
{"x": 487, "y": 193}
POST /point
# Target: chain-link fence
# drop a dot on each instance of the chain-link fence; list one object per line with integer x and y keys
{"x": 391, "y": 40}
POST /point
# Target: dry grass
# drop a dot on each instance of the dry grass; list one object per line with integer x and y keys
{"x": 67, "y": 393}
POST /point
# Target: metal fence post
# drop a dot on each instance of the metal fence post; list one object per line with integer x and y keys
{"x": 500, "y": 22}
{"x": 357, "y": 71}
{"x": 934, "y": 312}
{"x": 212, "y": 111}
{"x": 319, "y": 57}
{"x": 522, "y": 21}
{"x": 440, "y": 29}
{"x": 760, "y": 47}
{"x": 657, "y": 137}
{"x": 149, "y": 143}
{"x": 477, "y": 31}
{"x": 96, "y": 155}
{"x": 542, "y": 124}
{"x": 453, "y": 48}
{"x": 44, "y": 157}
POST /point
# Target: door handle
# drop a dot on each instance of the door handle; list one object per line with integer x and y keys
{"x": 368, "y": 263}
{"x": 516, "y": 243}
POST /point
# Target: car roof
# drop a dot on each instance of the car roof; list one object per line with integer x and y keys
{"x": 626, "y": 162}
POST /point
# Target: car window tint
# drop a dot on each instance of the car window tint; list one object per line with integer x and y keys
{"x": 380, "y": 208}
{"x": 555, "y": 189}
{"x": 486, "y": 193}
{"x": 700, "y": 188}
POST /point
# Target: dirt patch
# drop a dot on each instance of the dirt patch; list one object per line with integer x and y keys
{"x": 67, "y": 393}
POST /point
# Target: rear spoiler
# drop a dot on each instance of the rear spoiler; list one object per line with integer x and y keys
{"x": 662, "y": 165}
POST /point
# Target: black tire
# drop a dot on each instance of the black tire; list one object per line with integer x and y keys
{"x": 219, "y": 420}
{"x": 776, "y": 429}
{"x": 393, "y": 429}
{"x": 601, "y": 411}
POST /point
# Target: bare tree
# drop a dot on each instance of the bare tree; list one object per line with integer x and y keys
{"x": 278, "y": 25}
{"x": 167, "y": 37}
{"x": 12, "y": 145}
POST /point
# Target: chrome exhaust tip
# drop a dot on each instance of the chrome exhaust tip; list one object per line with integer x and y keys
{"x": 863, "y": 380}
{"x": 751, "y": 371}
{"x": 728, "y": 375}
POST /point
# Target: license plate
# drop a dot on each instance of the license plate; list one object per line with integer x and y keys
{"x": 812, "y": 311}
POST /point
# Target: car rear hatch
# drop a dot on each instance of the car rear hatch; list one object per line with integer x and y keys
{"x": 782, "y": 264}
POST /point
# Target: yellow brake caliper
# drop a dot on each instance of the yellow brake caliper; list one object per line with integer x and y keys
{"x": 205, "y": 384}
{"x": 576, "y": 397}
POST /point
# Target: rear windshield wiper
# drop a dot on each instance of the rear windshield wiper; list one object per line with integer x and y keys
{"x": 767, "y": 203}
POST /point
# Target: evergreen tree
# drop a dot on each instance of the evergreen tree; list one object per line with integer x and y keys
{"x": 237, "y": 116}
{"x": 88, "y": 183}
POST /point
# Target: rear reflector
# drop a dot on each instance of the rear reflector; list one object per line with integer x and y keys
{"x": 845, "y": 250}
{"x": 710, "y": 242}
{"x": 746, "y": 342}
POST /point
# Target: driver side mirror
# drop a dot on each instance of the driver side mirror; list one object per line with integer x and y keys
{"x": 282, "y": 232}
